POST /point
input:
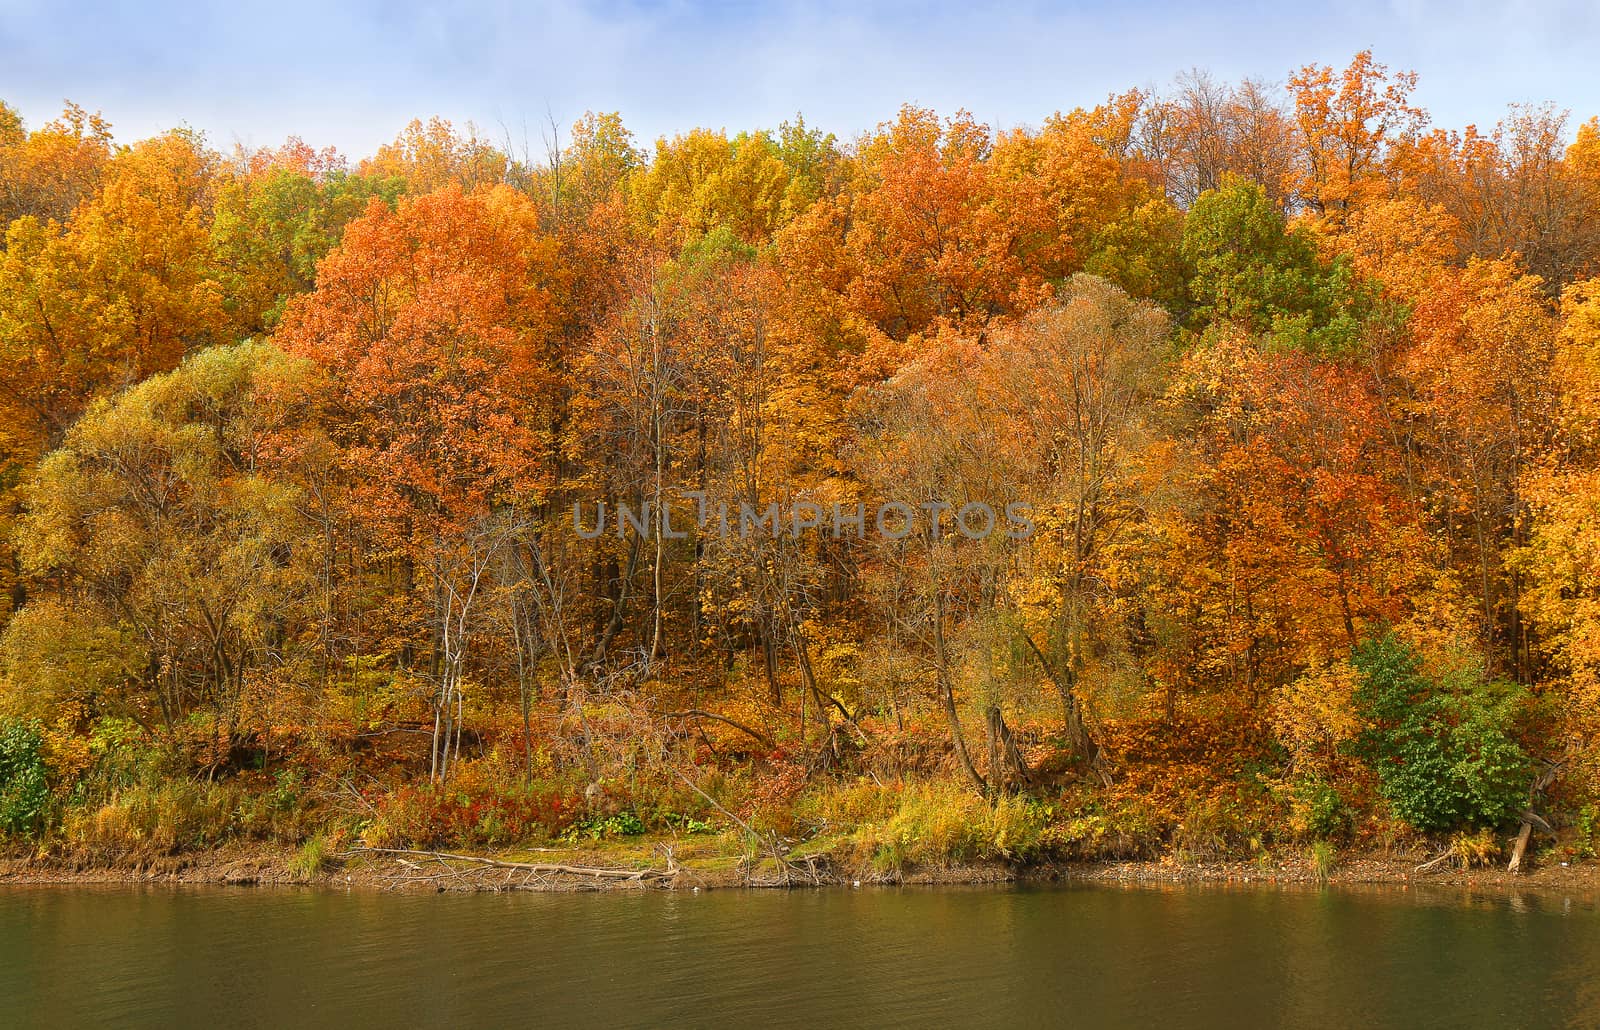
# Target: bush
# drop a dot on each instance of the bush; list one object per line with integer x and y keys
{"x": 1320, "y": 811}
{"x": 311, "y": 858}
{"x": 472, "y": 811}
{"x": 1472, "y": 850}
{"x": 1443, "y": 752}
{"x": 24, "y": 785}
{"x": 605, "y": 827}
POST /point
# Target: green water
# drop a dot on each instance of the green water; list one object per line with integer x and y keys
{"x": 1092, "y": 957}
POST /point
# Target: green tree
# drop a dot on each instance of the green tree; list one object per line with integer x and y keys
{"x": 271, "y": 229}
{"x": 1254, "y": 271}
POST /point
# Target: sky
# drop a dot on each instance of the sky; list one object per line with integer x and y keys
{"x": 352, "y": 75}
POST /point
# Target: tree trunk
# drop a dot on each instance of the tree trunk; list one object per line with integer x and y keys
{"x": 947, "y": 697}
{"x": 1008, "y": 770}
{"x": 1079, "y": 740}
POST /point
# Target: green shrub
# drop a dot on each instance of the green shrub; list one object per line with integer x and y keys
{"x": 24, "y": 785}
{"x": 1443, "y": 752}
{"x": 601, "y": 827}
{"x": 1320, "y": 810}
{"x": 1588, "y": 831}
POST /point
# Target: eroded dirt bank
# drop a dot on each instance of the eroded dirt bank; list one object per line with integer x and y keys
{"x": 635, "y": 868}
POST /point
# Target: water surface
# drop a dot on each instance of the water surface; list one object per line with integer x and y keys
{"x": 1091, "y": 957}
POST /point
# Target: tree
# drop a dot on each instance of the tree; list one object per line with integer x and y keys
{"x": 274, "y": 222}
{"x": 1253, "y": 271}
{"x": 431, "y": 327}
{"x": 432, "y": 155}
{"x": 171, "y": 555}
{"x": 1048, "y": 416}
{"x": 1477, "y": 375}
{"x": 1074, "y": 384}
{"x": 1281, "y": 534}
{"x": 1347, "y": 123}
{"x": 121, "y": 291}
{"x": 47, "y": 173}
{"x": 1561, "y": 557}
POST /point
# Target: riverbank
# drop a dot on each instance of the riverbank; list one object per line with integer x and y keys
{"x": 707, "y": 864}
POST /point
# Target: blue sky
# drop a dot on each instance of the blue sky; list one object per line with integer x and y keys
{"x": 352, "y": 75}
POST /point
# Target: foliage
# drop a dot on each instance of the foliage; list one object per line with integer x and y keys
{"x": 311, "y": 859}
{"x": 298, "y": 455}
{"x": 1320, "y": 810}
{"x": 24, "y": 784}
{"x": 1443, "y": 751}
{"x": 165, "y": 818}
{"x": 1253, "y": 270}
{"x": 1472, "y": 850}
{"x": 429, "y": 815}
{"x": 942, "y": 824}
{"x": 595, "y": 828}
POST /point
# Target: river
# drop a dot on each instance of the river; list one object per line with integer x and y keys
{"x": 872, "y": 957}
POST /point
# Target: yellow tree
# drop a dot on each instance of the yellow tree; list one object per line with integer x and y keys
{"x": 704, "y": 180}
{"x": 122, "y": 290}
{"x": 430, "y": 155}
{"x": 48, "y": 172}
{"x": 172, "y": 559}
{"x": 1477, "y": 375}
{"x": 1561, "y": 559}
{"x": 1347, "y": 121}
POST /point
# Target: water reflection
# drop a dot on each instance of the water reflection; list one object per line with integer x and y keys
{"x": 1177, "y": 956}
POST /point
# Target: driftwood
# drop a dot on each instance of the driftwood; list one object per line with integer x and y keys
{"x": 1531, "y": 820}
{"x": 1520, "y": 849}
{"x": 479, "y": 870}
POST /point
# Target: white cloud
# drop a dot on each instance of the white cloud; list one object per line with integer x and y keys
{"x": 352, "y": 75}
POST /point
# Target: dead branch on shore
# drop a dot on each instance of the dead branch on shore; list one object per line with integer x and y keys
{"x": 478, "y": 871}
{"x": 1531, "y": 819}
{"x": 788, "y": 870}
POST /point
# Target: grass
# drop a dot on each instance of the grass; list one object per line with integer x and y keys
{"x": 311, "y": 858}
{"x": 1323, "y": 860}
{"x": 928, "y": 825}
{"x": 167, "y": 818}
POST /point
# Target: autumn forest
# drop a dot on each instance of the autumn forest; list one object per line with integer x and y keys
{"x": 303, "y": 462}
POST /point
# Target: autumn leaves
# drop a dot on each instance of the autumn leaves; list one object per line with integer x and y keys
{"x": 1266, "y": 377}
